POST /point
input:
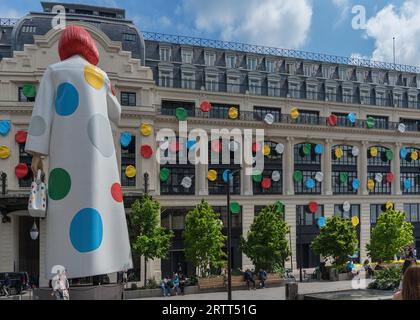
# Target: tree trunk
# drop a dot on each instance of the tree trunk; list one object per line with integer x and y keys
{"x": 145, "y": 272}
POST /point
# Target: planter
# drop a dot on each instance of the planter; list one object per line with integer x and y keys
{"x": 211, "y": 283}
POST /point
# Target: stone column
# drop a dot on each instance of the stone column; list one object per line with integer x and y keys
{"x": 288, "y": 167}
{"x": 327, "y": 168}
{"x": 364, "y": 229}
{"x": 396, "y": 170}
{"x": 290, "y": 218}
{"x": 362, "y": 169}
{"x": 247, "y": 186}
{"x": 247, "y": 219}
{"x": 201, "y": 173}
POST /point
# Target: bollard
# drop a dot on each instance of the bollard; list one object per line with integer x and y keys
{"x": 291, "y": 291}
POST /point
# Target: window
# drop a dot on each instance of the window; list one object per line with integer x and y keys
{"x": 212, "y": 83}
{"x": 392, "y": 79}
{"x": 169, "y": 107}
{"x": 294, "y": 91}
{"x": 272, "y": 163}
{"x": 22, "y": 98}
{"x": 188, "y": 80}
{"x": 412, "y": 102}
{"x": 261, "y": 112}
{"x": 251, "y": 63}
{"x": 255, "y": 86}
{"x": 81, "y": 11}
{"x": 364, "y": 97}
{"x": 375, "y": 77}
{"x": 310, "y": 70}
{"x": 306, "y": 218}
{"x": 221, "y": 111}
{"x": 348, "y": 95}
{"x": 29, "y": 29}
{"x": 291, "y": 68}
{"x": 361, "y": 75}
{"x": 108, "y": 14}
{"x": 236, "y": 219}
{"x": 380, "y": 98}
{"x": 216, "y": 163}
{"x": 344, "y": 171}
{"x": 308, "y": 117}
{"x": 308, "y": 165}
{"x": 398, "y": 100}
{"x": 378, "y": 168}
{"x": 129, "y": 37}
{"x": 411, "y": 124}
{"x": 231, "y": 62}
{"x": 165, "y": 79}
{"x": 128, "y": 158}
{"x": 409, "y": 172}
{"x": 412, "y": 212}
{"x": 270, "y": 66}
{"x": 209, "y": 59}
{"x": 342, "y": 120}
{"x": 27, "y": 159}
{"x": 311, "y": 92}
{"x": 128, "y": 99}
{"x": 186, "y": 56}
{"x": 330, "y": 94}
{"x": 233, "y": 84}
{"x": 380, "y": 122}
{"x": 328, "y": 72}
{"x": 375, "y": 212}
{"x": 274, "y": 88}
{"x": 165, "y": 54}
{"x": 354, "y": 211}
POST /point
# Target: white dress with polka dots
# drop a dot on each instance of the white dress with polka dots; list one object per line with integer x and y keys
{"x": 86, "y": 224}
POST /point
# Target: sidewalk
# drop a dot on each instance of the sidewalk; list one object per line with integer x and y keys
{"x": 278, "y": 293}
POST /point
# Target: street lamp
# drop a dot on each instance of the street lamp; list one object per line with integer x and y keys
{"x": 229, "y": 233}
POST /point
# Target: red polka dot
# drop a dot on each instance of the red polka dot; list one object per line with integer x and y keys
{"x": 256, "y": 147}
{"x": 266, "y": 183}
{"x": 116, "y": 192}
{"x": 216, "y": 146}
{"x": 205, "y": 106}
{"x": 174, "y": 147}
{"x": 21, "y": 170}
{"x": 21, "y": 136}
{"x": 146, "y": 151}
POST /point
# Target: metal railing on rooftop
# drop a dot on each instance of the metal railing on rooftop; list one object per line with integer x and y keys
{"x": 8, "y": 21}
{"x": 289, "y": 53}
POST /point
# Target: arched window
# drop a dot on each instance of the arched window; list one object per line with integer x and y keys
{"x": 272, "y": 171}
{"x": 380, "y": 177}
{"x": 178, "y": 177}
{"x": 344, "y": 169}
{"x": 307, "y": 165}
{"x": 128, "y": 158}
{"x": 410, "y": 174}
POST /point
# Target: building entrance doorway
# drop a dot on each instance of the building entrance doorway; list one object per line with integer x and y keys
{"x": 28, "y": 249}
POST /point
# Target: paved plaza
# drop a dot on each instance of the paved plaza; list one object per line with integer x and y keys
{"x": 277, "y": 293}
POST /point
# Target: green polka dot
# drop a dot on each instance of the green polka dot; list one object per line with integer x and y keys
{"x": 59, "y": 184}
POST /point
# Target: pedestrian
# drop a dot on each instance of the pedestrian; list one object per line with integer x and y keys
{"x": 407, "y": 263}
{"x": 178, "y": 268}
{"x": 182, "y": 282}
{"x": 6, "y": 285}
{"x": 175, "y": 283}
{"x": 55, "y": 285}
{"x": 411, "y": 285}
{"x": 164, "y": 286}
{"x": 379, "y": 265}
{"x": 64, "y": 285}
{"x": 248, "y": 277}
{"x": 262, "y": 276}
{"x": 368, "y": 268}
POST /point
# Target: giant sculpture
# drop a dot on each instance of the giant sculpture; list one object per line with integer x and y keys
{"x": 86, "y": 224}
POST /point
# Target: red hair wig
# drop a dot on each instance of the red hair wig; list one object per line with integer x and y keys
{"x": 76, "y": 40}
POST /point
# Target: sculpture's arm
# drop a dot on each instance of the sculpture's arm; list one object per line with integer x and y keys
{"x": 38, "y": 142}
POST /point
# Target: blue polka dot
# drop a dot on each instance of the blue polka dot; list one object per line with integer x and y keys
{"x": 67, "y": 99}
{"x": 86, "y": 230}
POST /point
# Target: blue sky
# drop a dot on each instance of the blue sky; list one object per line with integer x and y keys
{"x": 311, "y": 25}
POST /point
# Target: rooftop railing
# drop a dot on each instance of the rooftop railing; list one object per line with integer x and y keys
{"x": 287, "y": 53}
{"x": 8, "y": 21}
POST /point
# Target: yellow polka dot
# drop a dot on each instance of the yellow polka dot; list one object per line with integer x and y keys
{"x": 94, "y": 76}
{"x": 146, "y": 129}
{"x": 212, "y": 175}
{"x": 4, "y": 152}
{"x": 130, "y": 172}
{"x": 266, "y": 150}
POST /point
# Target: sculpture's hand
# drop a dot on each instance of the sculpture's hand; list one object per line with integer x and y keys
{"x": 36, "y": 164}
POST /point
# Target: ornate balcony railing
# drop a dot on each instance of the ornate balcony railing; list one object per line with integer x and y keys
{"x": 298, "y": 54}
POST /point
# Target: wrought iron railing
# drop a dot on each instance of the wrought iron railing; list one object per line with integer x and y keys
{"x": 8, "y": 21}
{"x": 265, "y": 90}
{"x": 285, "y": 119}
{"x": 251, "y": 48}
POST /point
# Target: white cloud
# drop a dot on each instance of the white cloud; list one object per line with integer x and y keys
{"x": 344, "y": 7}
{"x": 10, "y": 13}
{"x": 401, "y": 23}
{"x": 283, "y": 23}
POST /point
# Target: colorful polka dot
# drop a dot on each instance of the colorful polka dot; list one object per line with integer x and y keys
{"x": 116, "y": 192}
{"x": 86, "y": 230}
{"x": 67, "y": 99}
{"x": 94, "y": 77}
{"x": 4, "y": 127}
{"x": 59, "y": 184}
{"x": 4, "y": 152}
{"x": 37, "y": 127}
{"x": 99, "y": 132}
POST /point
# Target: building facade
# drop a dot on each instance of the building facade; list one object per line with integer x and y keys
{"x": 348, "y": 131}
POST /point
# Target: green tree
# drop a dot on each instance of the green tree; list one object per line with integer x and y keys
{"x": 148, "y": 239}
{"x": 338, "y": 239}
{"x": 266, "y": 243}
{"x": 390, "y": 235}
{"x": 204, "y": 240}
